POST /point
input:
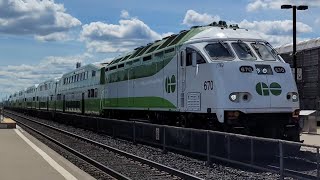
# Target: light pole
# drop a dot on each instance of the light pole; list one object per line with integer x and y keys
{"x": 294, "y": 51}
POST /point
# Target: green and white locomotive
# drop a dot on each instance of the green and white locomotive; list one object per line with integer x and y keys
{"x": 215, "y": 77}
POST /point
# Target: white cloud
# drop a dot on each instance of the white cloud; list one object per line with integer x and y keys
{"x": 194, "y": 18}
{"x": 276, "y": 33}
{"x": 125, "y": 14}
{"x": 34, "y": 17}
{"x": 255, "y": 5}
{"x": 58, "y": 36}
{"x": 167, "y": 34}
{"x": 275, "y": 27}
{"x": 122, "y": 37}
{"x": 26, "y": 75}
{"x": 263, "y": 4}
{"x": 317, "y": 21}
{"x": 278, "y": 40}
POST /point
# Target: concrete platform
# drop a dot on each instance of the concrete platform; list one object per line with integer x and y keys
{"x": 312, "y": 139}
{"x": 7, "y": 123}
{"x": 24, "y": 157}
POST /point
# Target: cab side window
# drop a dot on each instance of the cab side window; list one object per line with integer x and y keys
{"x": 189, "y": 57}
{"x": 199, "y": 58}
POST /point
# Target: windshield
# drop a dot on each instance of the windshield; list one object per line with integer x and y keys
{"x": 273, "y": 51}
{"x": 243, "y": 51}
{"x": 219, "y": 51}
{"x": 263, "y": 51}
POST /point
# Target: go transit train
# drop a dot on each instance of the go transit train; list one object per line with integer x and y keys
{"x": 214, "y": 77}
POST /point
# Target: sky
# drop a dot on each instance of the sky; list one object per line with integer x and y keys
{"x": 43, "y": 39}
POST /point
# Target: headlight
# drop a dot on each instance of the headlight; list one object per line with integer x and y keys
{"x": 293, "y": 96}
{"x": 234, "y": 97}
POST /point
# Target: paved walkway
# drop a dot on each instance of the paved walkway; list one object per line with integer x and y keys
{"x": 312, "y": 139}
{"x": 22, "y": 157}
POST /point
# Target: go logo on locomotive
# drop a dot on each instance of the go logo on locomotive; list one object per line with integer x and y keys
{"x": 263, "y": 89}
{"x": 170, "y": 84}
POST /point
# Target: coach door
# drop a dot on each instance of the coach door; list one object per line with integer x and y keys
{"x": 64, "y": 104}
{"x": 82, "y": 104}
{"x": 47, "y": 103}
{"x": 182, "y": 79}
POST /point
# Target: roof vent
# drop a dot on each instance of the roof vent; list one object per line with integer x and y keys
{"x": 222, "y": 24}
{"x": 234, "y": 26}
{"x": 213, "y": 24}
{"x": 138, "y": 48}
{"x": 193, "y": 27}
{"x": 78, "y": 65}
{"x": 165, "y": 37}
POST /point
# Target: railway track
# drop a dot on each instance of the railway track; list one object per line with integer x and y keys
{"x": 112, "y": 161}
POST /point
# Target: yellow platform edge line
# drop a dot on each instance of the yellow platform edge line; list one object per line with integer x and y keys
{"x": 8, "y": 121}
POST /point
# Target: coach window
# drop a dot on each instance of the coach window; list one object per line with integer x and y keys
{"x": 92, "y": 93}
{"x": 88, "y": 93}
{"x": 113, "y": 67}
{"x": 95, "y": 92}
{"x": 159, "y": 55}
{"x": 93, "y": 73}
{"x": 147, "y": 58}
{"x": 219, "y": 51}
